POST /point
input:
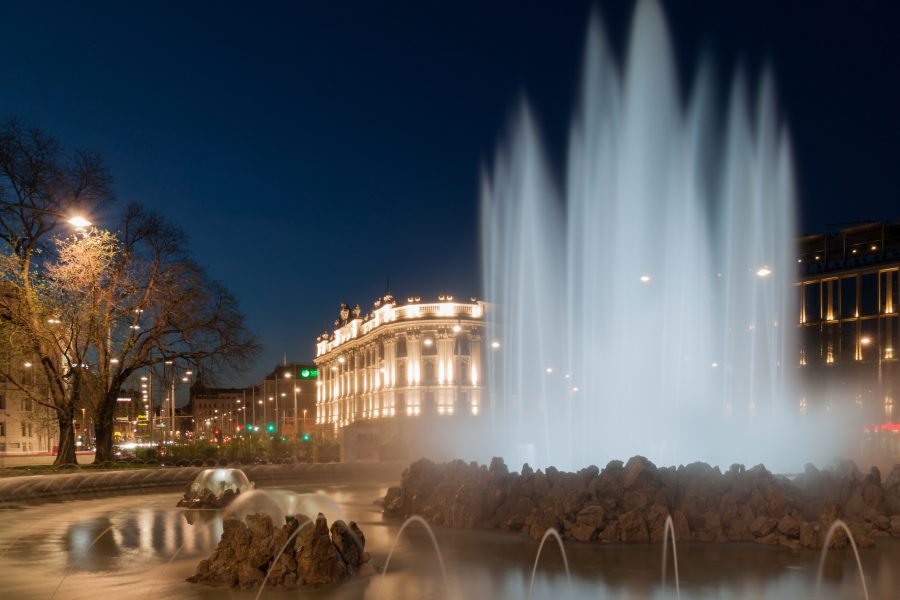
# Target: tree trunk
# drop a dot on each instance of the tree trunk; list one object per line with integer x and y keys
{"x": 65, "y": 453}
{"x": 104, "y": 426}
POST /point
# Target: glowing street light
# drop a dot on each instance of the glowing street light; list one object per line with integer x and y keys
{"x": 79, "y": 222}
{"x": 865, "y": 341}
{"x": 645, "y": 279}
{"x": 763, "y": 271}
{"x": 495, "y": 345}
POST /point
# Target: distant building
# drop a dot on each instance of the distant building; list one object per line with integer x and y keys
{"x": 400, "y": 363}
{"x": 216, "y": 409}
{"x": 266, "y": 406}
{"x": 25, "y": 425}
{"x": 849, "y": 340}
{"x": 272, "y": 400}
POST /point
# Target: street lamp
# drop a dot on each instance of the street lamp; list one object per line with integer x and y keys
{"x": 76, "y": 221}
{"x": 288, "y": 375}
{"x": 79, "y": 222}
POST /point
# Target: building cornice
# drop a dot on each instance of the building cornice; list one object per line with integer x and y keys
{"x": 390, "y": 317}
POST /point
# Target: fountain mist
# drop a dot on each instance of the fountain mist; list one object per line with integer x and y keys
{"x": 643, "y": 306}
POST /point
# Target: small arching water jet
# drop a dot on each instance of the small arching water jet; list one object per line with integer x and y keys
{"x": 83, "y": 554}
{"x": 151, "y": 589}
{"x": 839, "y": 524}
{"x": 437, "y": 549}
{"x": 280, "y": 552}
{"x": 549, "y": 533}
{"x": 669, "y": 530}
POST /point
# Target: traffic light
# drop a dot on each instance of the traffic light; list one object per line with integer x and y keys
{"x": 237, "y": 427}
{"x": 270, "y": 427}
{"x": 305, "y": 437}
{"x": 256, "y": 428}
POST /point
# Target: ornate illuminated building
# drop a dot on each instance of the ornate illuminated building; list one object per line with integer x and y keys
{"x": 410, "y": 361}
{"x": 849, "y": 327}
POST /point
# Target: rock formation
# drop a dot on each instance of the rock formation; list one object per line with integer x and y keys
{"x": 630, "y": 502}
{"x": 204, "y": 498}
{"x": 317, "y": 555}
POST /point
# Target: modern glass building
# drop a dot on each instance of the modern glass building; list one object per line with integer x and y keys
{"x": 849, "y": 342}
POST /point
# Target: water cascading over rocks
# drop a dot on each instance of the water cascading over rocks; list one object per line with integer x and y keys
{"x": 643, "y": 296}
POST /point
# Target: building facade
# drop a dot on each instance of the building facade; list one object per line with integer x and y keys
{"x": 25, "y": 425}
{"x": 849, "y": 330}
{"x": 216, "y": 409}
{"x": 401, "y": 362}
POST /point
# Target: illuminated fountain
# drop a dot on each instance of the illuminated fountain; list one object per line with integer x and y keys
{"x": 215, "y": 488}
{"x": 280, "y": 504}
{"x": 643, "y": 297}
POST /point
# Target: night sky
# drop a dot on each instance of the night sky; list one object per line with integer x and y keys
{"x": 314, "y": 149}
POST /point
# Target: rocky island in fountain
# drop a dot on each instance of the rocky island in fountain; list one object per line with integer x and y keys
{"x": 630, "y": 502}
{"x": 254, "y": 551}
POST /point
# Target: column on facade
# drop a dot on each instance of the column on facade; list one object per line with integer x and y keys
{"x": 474, "y": 375}
{"x": 390, "y": 375}
{"x": 446, "y": 392}
{"x": 413, "y": 372}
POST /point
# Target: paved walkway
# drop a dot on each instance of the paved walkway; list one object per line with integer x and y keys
{"x": 37, "y": 458}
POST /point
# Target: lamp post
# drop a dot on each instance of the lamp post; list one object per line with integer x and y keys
{"x": 287, "y": 375}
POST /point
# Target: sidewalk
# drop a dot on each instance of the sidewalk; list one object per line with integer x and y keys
{"x": 37, "y": 458}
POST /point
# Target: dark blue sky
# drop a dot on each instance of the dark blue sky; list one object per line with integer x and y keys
{"x": 314, "y": 149}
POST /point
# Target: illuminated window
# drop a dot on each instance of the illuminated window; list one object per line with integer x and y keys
{"x": 430, "y": 373}
{"x": 868, "y": 295}
{"x": 812, "y": 302}
{"x": 848, "y": 298}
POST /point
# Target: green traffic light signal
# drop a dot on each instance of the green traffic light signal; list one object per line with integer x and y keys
{"x": 270, "y": 427}
{"x": 305, "y": 437}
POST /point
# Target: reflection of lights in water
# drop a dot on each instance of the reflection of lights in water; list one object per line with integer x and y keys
{"x": 80, "y": 540}
{"x": 145, "y": 529}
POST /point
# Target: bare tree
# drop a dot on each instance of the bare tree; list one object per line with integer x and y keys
{"x": 161, "y": 307}
{"x": 39, "y": 182}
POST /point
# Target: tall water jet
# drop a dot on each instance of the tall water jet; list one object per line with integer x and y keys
{"x": 643, "y": 304}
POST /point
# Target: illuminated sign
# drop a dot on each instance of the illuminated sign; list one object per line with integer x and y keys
{"x": 309, "y": 373}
